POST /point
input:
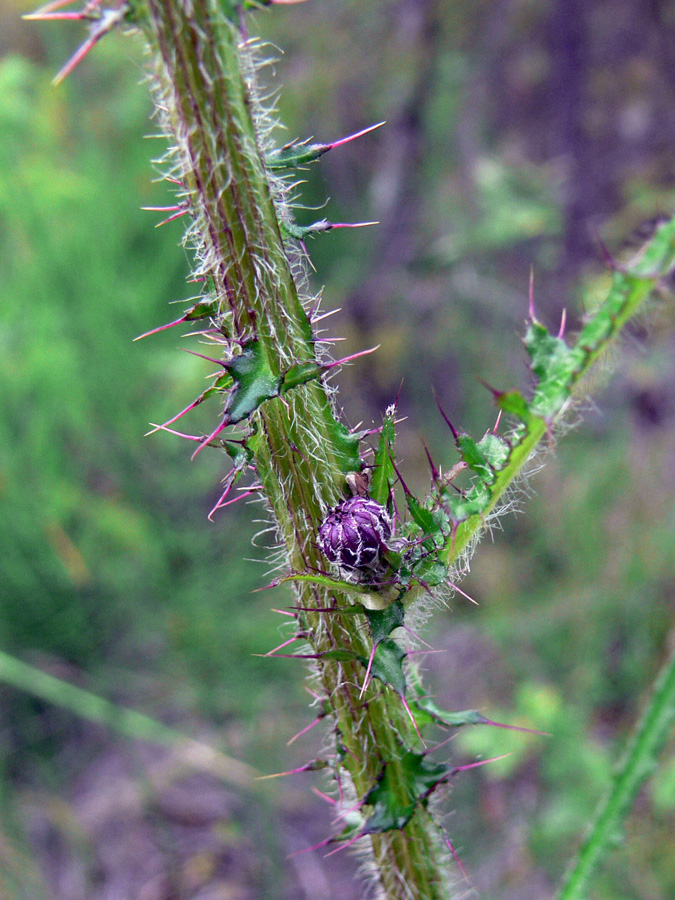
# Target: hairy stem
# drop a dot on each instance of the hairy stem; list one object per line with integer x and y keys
{"x": 302, "y": 453}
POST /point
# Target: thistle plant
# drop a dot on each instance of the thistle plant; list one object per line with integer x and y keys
{"x": 366, "y": 559}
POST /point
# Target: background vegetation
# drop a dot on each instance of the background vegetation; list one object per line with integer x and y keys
{"x": 515, "y": 132}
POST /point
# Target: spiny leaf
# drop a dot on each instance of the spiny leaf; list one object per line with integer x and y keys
{"x": 383, "y": 621}
{"x": 425, "y": 705}
{"x": 300, "y": 153}
{"x": 559, "y": 369}
{"x": 422, "y": 516}
{"x": 431, "y": 571}
{"x": 391, "y": 810}
{"x": 254, "y": 382}
{"x": 384, "y": 475}
{"x": 494, "y": 449}
{"x": 387, "y": 665}
{"x": 514, "y": 403}
{"x": 461, "y": 506}
{"x": 473, "y": 457}
{"x": 299, "y": 374}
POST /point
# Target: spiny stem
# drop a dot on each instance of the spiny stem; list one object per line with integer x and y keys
{"x": 302, "y": 453}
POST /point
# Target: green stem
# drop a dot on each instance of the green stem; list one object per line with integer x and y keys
{"x": 562, "y": 375}
{"x": 639, "y": 759}
{"x": 302, "y": 454}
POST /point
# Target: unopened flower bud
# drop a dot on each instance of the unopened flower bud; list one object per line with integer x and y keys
{"x": 354, "y": 534}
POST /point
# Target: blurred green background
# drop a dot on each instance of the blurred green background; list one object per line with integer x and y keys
{"x": 516, "y": 132}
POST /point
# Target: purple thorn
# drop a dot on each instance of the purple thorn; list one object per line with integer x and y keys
{"x": 214, "y": 434}
{"x": 308, "y": 767}
{"x": 455, "y": 857}
{"x": 282, "y": 612}
{"x": 397, "y": 398}
{"x": 295, "y": 655}
{"x": 424, "y": 585}
{"x": 496, "y": 426}
{"x": 353, "y": 137}
{"x": 463, "y": 593}
{"x": 216, "y": 362}
{"x": 109, "y": 18}
{"x": 187, "y": 409}
{"x": 412, "y": 718}
{"x": 531, "y": 311}
{"x": 328, "y": 840}
{"x": 318, "y": 609}
{"x": 445, "y": 418}
{"x": 313, "y": 694}
{"x": 274, "y": 583}
{"x": 346, "y": 359}
{"x": 563, "y": 322}
{"x": 406, "y": 489}
{"x": 243, "y": 496}
{"x": 314, "y": 318}
{"x": 515, "y": 728}
{"x": 47, "y": 11}
{"x": 180, "y": 434}
{"x": 229, "y": 482}
{"x": 296, "y": 637}
{"x": 48, "y": 17}
{"x": 171, "y": 218}
{"x": 369, "y": 667}
{"x": 496, "y": 393}
{"x": 480, "y": 762}
{"x": 346, "y": 844}
{"x": 322, "y": 796}
{"x": 76, "y": 59}
{"x": 434, "y": 470}
{"x": 441, "y": 743}
{"x": 332, "y": 225}
{"x": 606, "y": 255}
{"x": 417, "y": 637}
{"x": 304, "y": 730}
{"x": 161, "y": 328}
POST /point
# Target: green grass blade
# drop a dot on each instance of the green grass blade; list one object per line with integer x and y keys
{"x": 128, "y": 722}
{"x": 638, "y": 762}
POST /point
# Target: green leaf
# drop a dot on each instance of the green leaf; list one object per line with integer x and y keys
{"x": 472, "y": 456}
{"x": 513, "y": 403}
{"x": 443, "y": 717}
{"x": 254, "y": 382}
{"x": 347, "y": 444}
{"x": 203, "y": 309}
{"x": 431, "y": 570}
{"x": 295, "y": 154}
{"x": 392, "y": 807}
{"x": 384, "y": 621}
{"x": 460, "y": 507}
{"x": 388, "y": 665}
{"x": 384, "y": 476}
{"x": 299, "y": 374}
{"x": 494, "y": 449}
{"x": 422, "y": 516}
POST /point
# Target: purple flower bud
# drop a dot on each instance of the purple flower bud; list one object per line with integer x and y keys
{"x": 354, "y": 534}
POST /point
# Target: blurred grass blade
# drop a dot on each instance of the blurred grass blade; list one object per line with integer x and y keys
{"x": 128, "y": 722}
{"x": 639, "y": 760}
